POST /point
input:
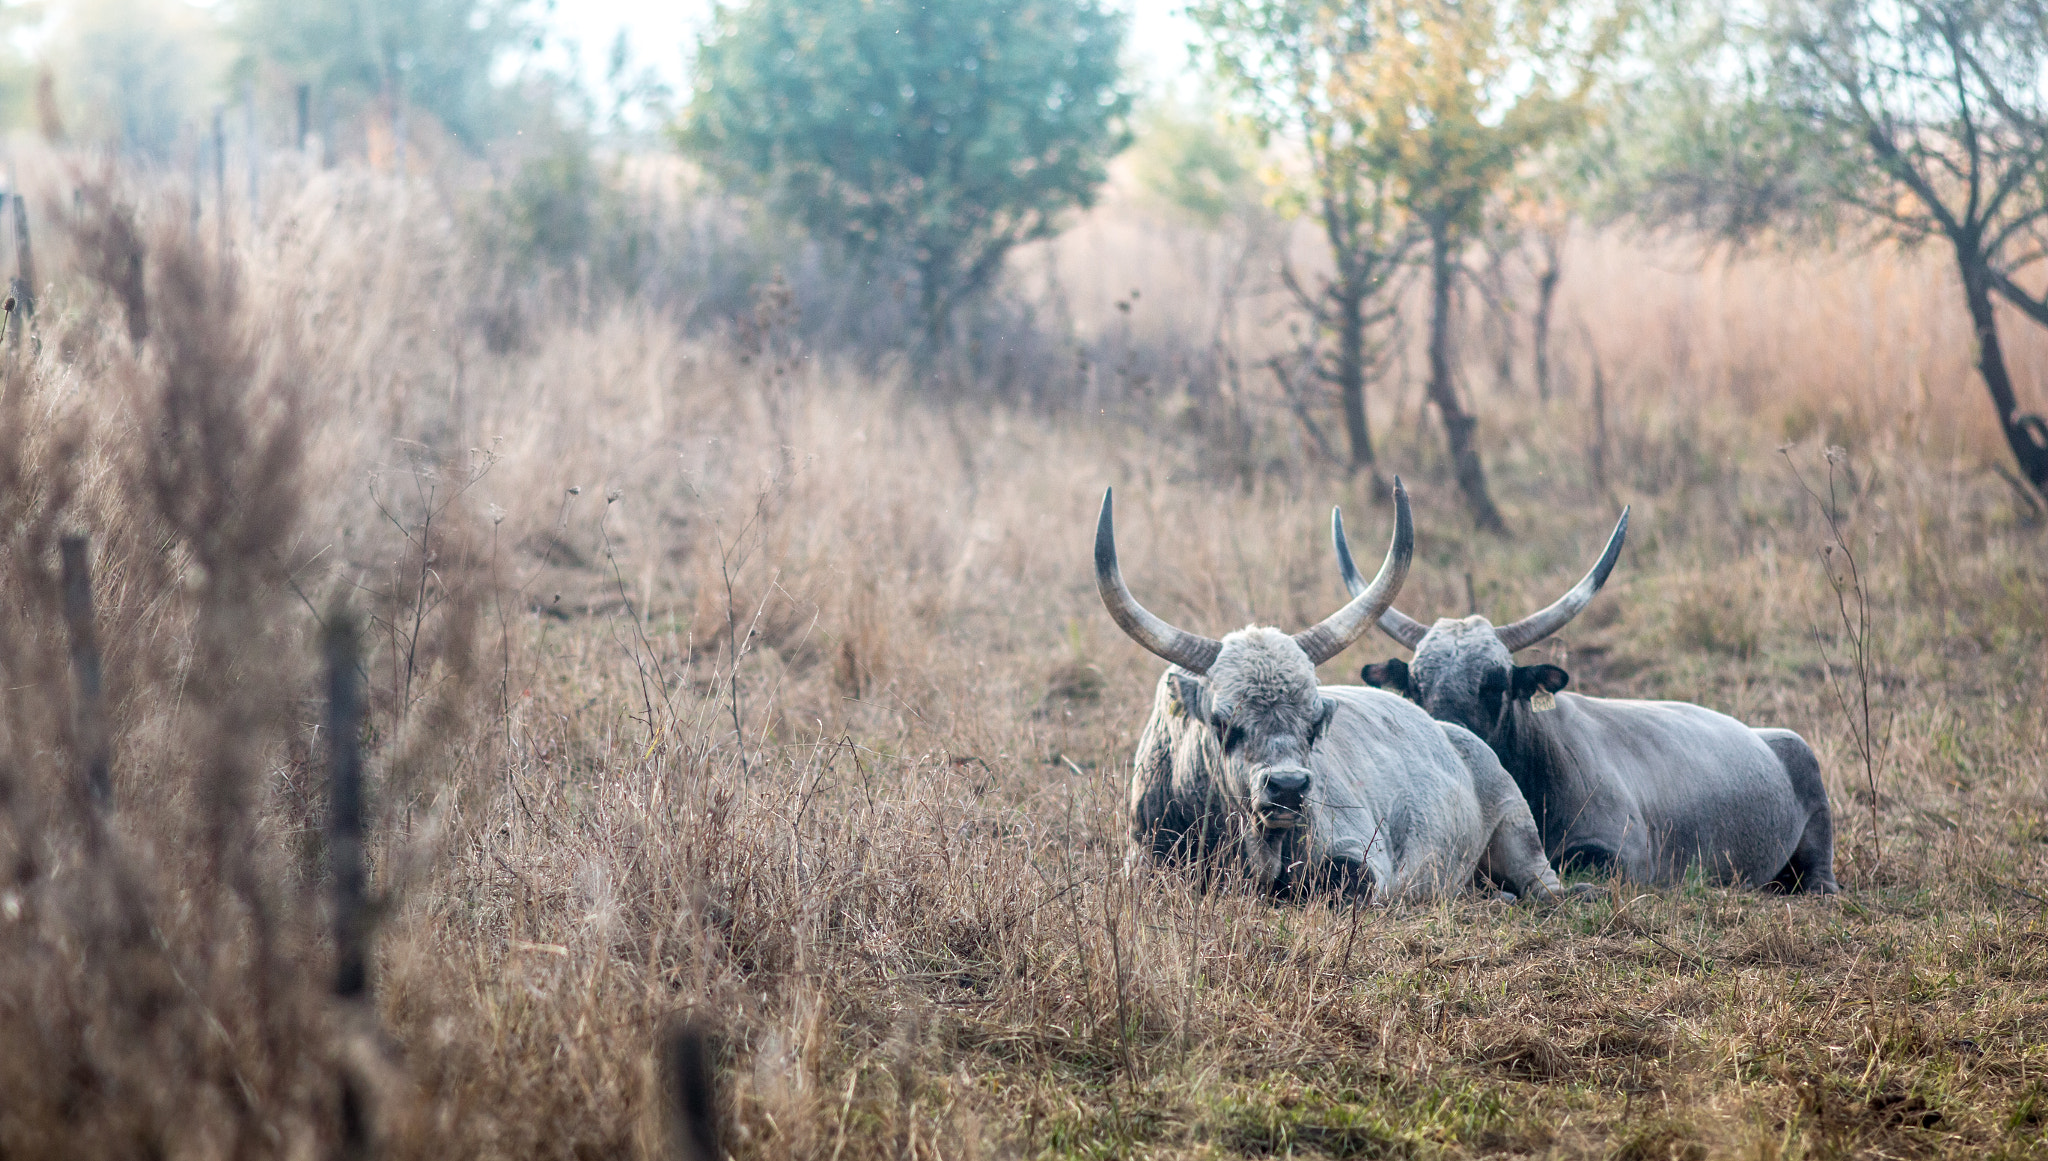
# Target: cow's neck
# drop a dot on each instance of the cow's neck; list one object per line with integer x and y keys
{"x": 1526, "y": 743}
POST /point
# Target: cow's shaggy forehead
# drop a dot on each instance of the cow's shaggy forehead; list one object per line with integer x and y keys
{"x": 1263, "y": 676}
{"x": 1453, "y": 657}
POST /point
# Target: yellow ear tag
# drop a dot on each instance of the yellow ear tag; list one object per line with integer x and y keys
{"x": 1542, "y": 700}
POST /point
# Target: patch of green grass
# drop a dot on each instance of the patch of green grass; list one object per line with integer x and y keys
{"x": 1384, "y": 1119}
{"x": 1662, "y": 1140}
{"x": 1123, "y": 1127}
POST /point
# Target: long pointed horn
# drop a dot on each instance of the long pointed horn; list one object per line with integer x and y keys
{"x": 1348, "y": 624}
{"x": 1394, "y": 623}
{"x": 1536, "y": 626}
{"x": 1190, "y": 651}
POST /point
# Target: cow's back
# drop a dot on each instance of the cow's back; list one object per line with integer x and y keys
{"x": 1704, "y": 783}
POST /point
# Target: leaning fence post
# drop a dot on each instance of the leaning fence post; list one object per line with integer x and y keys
{"x": 89, "y": 718}
{"x": 24, "y": 288}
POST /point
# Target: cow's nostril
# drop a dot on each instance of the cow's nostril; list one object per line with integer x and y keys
{"x": 1285, "y": 787}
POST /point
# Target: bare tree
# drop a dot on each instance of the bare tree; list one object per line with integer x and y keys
{"x": 1460, "y": 95}
{"x": 1282, "y": 61}
{"x": 1915, "y": 119}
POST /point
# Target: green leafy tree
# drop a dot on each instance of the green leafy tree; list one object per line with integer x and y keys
{"x": 1283, "y": 62}
{"x": 939, "y": 135}
{"x": 1910, "y": 120}
{"x": 1197, "y": 163}
{"x": 434, "y": 55}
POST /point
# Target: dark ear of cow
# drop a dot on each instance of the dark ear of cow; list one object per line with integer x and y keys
{"x": 1530, "y": 678}
{"x": 1391, "y": 675}
{"x": 1191, "y": 693}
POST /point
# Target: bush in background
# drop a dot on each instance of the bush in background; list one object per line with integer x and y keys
{"x": 930, "y": 140}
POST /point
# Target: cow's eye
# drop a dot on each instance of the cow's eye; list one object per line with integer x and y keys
{"x": 1233, "y": 737}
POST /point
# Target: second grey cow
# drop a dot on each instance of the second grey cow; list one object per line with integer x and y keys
{"x": 1249, "y": 766}
{"x": 1643, "y": 789}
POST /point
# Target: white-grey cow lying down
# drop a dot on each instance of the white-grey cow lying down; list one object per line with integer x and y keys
{"x": 1248, "y": 763}
{"x": 1645, "y": 789}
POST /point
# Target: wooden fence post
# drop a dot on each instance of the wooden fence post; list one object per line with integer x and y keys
{"x": 347, "y": 878}
{"x": 691, "y": 1093}
{"x": 24, "y": 288}
{"x": 348, "y": 883}
{"x": 89, "y": 717}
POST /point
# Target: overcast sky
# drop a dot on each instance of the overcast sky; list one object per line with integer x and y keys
{"x": 659, "y": 30}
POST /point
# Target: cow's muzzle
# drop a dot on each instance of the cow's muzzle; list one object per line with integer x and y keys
{"x": 1278, "y": 804}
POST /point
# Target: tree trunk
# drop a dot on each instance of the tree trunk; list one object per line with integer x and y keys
{"x": 1500, "y": 319}
{"x": 2027, "y": 435}
{"x": 1546, "y": 298}
{"x": 1458, "y": 426}
{"x": 1351, "y": 374}
{"x": 934, "y": 314}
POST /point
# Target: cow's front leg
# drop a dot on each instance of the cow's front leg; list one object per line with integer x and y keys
{"x": 1514, "y": 858}
{"x": 1346, "y": 874}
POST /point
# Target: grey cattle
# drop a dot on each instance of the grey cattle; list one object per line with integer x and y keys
{"x": 1644, "y": 789}
{"x": 1248, "y": 763}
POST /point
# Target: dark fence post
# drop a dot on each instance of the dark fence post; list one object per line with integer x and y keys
{"x": 348, "y": 881}
{"x": 691, "y": 1091}
{"x": 88, "y": 709}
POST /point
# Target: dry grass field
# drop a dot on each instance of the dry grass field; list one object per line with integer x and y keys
{"x": 714, "y": 680}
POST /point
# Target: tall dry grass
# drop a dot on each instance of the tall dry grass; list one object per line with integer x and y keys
{"x": 714, "y": 678}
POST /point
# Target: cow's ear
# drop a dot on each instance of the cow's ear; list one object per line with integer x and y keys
{"x": 1326, "y": 708}
{"x": 1391, "y": 675}
{"x": 1547, "y": 678}
{"x": 1192, "y": 694}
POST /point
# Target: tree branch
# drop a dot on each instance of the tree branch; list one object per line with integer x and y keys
{"x": 2027, "y": 304}
{"x": 1959, "y": 75}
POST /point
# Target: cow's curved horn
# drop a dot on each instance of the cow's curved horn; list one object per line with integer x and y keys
{"x": 1337, "y": 631}
{"x": 1190, "y": 651}
{"x": 1536, "y": 626}
{"x": 1394, "y": 623}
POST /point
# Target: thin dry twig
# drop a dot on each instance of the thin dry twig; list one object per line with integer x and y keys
{"x": 1852, "y": 609}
